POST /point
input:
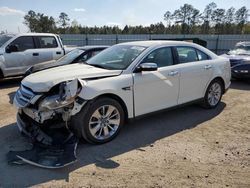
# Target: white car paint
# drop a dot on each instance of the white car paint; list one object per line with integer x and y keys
{"x": 42, "y": 81}
{"x": 151, "y": 89}
{"x": 142, "y": 92}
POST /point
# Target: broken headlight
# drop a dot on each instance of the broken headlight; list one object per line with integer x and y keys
{"x": 68, "y": 91}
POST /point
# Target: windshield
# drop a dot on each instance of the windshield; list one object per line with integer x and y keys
{"x": 71, "y": 56}
{"x": 240, "y": 50}
{"x": 117, "y": 57}
{"x": 3, "y": 39}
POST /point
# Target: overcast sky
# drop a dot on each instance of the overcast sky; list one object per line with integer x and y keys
{"x": 100, "y": 12}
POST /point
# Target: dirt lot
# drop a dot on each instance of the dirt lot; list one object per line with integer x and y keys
{"x": 187, "y": 147}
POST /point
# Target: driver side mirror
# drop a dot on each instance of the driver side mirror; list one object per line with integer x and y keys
{"x": 146, "y": 67}
{"x": 11, "y": 48}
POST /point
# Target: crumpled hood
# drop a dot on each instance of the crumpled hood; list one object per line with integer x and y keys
{"x": 42, "y": 81}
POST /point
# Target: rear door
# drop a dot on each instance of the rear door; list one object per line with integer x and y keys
{"x": 195, "y": 73}
{"x": 17, "y": 62}
{"x": 159, "y": 89}
{"x": 48, "y": 48}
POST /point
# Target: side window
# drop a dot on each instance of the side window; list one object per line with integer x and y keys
{"x": 95, "y": 52}
{"x": 83, "y": 58}
{"x": 47, "y": 42}
{"x": 186, "y": 54}
{"x": 162, "y": 57}
{"x": 202, "y": 56}
{"x": 23, "y": 43}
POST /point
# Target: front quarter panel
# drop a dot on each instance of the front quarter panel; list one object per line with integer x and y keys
{"x": 121, "y": 86}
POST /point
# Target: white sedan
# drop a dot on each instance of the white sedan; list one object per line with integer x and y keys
{"x": 96, "y": 98}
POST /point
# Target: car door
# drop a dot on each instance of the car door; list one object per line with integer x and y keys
{"x": 159, "y": 89}
{"x": 195, "y": 73}
{"x": 16, "y": 62}
{"x": 48, "y": 48}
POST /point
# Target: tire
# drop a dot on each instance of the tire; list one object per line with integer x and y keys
{"x": 1, "y": 74}
{"x": 213, "y": 94}
{"x": 99, "y": 121}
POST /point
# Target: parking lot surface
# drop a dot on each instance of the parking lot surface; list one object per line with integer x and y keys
{"x": 185, "y": 147}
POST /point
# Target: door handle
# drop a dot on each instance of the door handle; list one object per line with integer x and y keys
{"x": 207, "y": 67}
{"x": 58, "y": 53}
{"x": 35, "y": 54}
{"x": 173, "y": 73}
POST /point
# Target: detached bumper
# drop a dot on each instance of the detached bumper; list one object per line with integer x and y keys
{"x": 54, "y": 149}
{"x": 36, "y": 131}
{"x": 31, "y": 129}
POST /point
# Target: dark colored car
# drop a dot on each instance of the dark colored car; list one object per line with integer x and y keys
{"x": 240, "y": 60}
{"x": 80, "y": 54}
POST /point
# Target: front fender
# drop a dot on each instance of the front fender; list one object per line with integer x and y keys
{"x": 112, "y": 85}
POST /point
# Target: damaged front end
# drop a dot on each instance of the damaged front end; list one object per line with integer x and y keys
{"x": 53, "y": 109}
{"x": 43, "y": 116}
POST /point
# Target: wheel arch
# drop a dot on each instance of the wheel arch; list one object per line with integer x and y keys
{"x": 222, "y": 81}
{"x": 118, "y": 99}
{"x": 219, "y": 78}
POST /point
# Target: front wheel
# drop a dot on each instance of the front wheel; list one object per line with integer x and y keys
{"x": 100, "y": 121}
{"x": 1, "y": 74}
{"x": 213, "y": 94}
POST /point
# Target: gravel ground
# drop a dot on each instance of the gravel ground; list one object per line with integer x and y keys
{"x": 186, "y": 147}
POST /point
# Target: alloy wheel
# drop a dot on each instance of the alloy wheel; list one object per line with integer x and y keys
{"x": 214, "y": 94}
{"x": 104, "y": 122}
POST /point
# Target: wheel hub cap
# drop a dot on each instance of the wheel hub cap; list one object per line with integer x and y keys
{"x": 104, "y": 122}
{"x": 214, "y": 94}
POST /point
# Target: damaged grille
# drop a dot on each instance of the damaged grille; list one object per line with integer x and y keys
{"x": 24, "y": 95}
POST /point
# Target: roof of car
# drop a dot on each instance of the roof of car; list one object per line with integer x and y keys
{"x": 150, "y": 43}
{"x": 31, "y": 34}
{"x": 159, "y": 43}
{"x": 39, "y": 34}
{"x": 92, "y": 47}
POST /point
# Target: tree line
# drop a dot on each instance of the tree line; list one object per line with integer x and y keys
{"x": 185, "y": 20}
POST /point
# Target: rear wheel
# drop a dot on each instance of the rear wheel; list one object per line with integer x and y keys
{"x": 213, "y": 94}
{"x": 100, "y": 121}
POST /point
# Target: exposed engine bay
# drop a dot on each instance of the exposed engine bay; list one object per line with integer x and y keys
{"x": 47, "y": 125}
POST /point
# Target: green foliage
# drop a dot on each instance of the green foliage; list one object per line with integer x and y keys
{"x": 63, "y": 22}
{"x": 185, "y": 20}
{"x": 39, "y": 22}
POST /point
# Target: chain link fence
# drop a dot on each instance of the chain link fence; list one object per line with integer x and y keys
{"x": 217, "y": 43}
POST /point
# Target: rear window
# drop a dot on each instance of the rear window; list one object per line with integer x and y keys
{"x": 47, "y": 42}
{"x": 190, "y": 54}
{"x": 202, "y": 56}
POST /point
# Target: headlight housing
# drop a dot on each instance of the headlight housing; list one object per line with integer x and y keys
{"x": 68, "y": 91}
